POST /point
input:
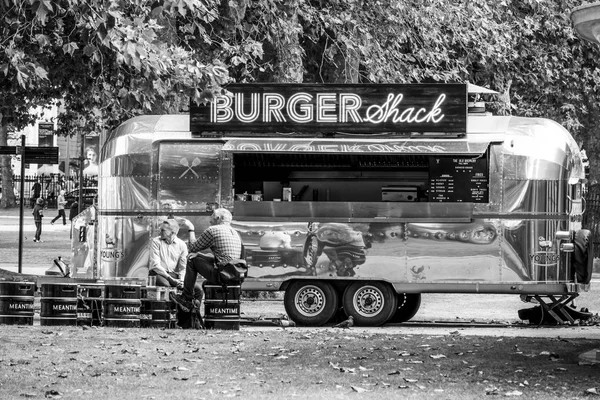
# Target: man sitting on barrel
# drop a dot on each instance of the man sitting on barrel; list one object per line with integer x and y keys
{"x": 225, "y": 244}
{"x": 168, "y": 258}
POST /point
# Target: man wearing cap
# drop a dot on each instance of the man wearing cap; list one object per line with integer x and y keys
{"x": 168, "y": 258}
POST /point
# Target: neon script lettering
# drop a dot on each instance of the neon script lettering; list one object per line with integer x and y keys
{"x": 302, "y": 108}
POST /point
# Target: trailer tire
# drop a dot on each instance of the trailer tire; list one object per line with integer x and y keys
{"x": 408, "y": 305}
{"x": 583, "y": 256}
{"x": 311, "y": 303}
{"x": 370, "y": 303}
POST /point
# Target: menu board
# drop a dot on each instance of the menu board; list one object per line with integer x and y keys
{"x": 458, "y": 179}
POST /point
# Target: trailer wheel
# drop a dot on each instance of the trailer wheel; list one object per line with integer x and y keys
{"x": 311, "y": 303}
{"x": 408, "y": 305}
{"x": 583, "y": 256}
{"x": 370, "y": 304}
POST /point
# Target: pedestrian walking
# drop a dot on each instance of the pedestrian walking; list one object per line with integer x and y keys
{"x": 60, "y": 205}
{"x": 38, "y": 214}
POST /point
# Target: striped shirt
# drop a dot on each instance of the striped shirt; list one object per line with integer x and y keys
{"x": 224, "y": 242}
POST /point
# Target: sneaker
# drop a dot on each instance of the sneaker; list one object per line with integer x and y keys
{"x": 51, "y": 222}
{"x": 35, "y": 240}
{"x": 185, "y": 304}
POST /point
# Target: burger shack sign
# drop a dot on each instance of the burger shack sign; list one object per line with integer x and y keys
{"x": 348, "y": 108}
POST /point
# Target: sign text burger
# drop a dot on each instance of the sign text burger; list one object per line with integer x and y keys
{"x": 351, "y": 108}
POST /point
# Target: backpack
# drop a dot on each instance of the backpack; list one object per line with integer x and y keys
{"x": 235, "y": 271}
{"x": 192, "y": 319}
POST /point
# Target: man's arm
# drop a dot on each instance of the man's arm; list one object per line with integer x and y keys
{"x": 202, "y": 243}
{"x": 182, "y": 262}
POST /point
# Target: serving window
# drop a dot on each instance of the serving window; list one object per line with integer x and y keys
{"x": 321, "y": 177}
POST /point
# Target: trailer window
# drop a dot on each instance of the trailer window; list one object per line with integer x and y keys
{"x": 362, "y": 177}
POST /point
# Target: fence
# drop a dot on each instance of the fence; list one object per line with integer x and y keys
{"x": 50, "y": 186}
{"x": 591, "y": 217}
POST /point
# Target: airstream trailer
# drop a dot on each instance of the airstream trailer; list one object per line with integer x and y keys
{"x": 359, "y": 197}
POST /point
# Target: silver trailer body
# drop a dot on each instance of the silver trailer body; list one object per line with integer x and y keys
{"x": 151, "y": 167}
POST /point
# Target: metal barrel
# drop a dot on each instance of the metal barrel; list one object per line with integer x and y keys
{"x": 122, "y": 306}
{"x": 157, "y": 314}
{"x": 90, "y": 300}
{"x": 222, "y": 307}
{"x": 58, "y": 304}
{"x": 16, "y": 303}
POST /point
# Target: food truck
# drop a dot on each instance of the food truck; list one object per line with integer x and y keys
{"x": 352, "y": 197}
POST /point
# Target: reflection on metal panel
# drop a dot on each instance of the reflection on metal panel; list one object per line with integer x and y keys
{"x": 83, "y": 237}
{"x": 531, "y": 245}
{"x": 189, "y": 176}
{"x": 123, "y": 248}
{"x": 125, "y": 193}
{"x": 520, "y": 167}
{"x": 454, "y": 252}
{"x": 541, "y": 197}
{"x": 399, "y": 146}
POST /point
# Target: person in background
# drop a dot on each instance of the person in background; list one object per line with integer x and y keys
{"x": 60, "y": 205}
{"x": 37, "y": 192}
{"x": 225, "y": 244}
{"x": 168, "y": 258}
{"x": 38, "y": 214}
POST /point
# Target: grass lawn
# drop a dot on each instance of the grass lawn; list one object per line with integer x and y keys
{"x": 324, "y": 363}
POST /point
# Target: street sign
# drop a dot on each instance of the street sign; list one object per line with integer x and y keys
{"x": 8, "y": 150}
{"x": 33, "y": 154}
{"x": 41, "y": 155}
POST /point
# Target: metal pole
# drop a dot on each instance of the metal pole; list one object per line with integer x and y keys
{"x": 81, "y": 159}
{"x": 21, "y": 203}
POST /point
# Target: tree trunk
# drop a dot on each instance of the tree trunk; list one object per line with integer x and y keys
{"x": 8, "y": 195}
{"x": 289, "y": 67}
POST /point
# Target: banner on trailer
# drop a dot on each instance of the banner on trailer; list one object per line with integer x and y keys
{"x": 347, "y": 108}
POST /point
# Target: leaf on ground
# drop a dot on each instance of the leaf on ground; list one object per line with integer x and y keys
{"x": 592, "y": 391}
{"x": 358, "y": 389}
{"x": 491, "y": 391}
{"x": 402, "y": 386}
{"x": 180, "y": 369}
{"x": 437, "y": 356}
{"x": 28, "y": 394}
{"x": 513, "y": 393}
{"x": 63, "y": 375}
{"x": 360, "y": 367}
{"x": 396, "y": 372}
{"x": 53, "y": 394}
{"x": 408, "y": 380}
{"x": 200, "y": 383}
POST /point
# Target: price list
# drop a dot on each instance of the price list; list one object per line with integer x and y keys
{"x": 456, "y": 179}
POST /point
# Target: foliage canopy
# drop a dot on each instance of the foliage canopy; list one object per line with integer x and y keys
{"x": 104, "y": 61}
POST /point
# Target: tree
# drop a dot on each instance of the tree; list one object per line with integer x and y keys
{"x": 103, "y": 61}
